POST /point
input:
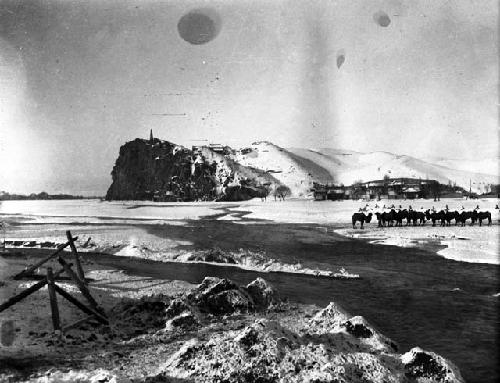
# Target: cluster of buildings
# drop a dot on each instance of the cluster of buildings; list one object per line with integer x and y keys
{"x": 388, "y": 188}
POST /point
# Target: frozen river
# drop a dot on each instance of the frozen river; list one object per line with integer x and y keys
{"x": 411, "y": 293}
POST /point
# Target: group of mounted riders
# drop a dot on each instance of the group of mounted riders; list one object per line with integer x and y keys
{"x": 392, "y": 216}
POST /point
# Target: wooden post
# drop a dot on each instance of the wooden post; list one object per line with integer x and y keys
{"x": 81, "y": 285}
{"x": 37, "y": 265}
{"x": 25, "y": 293}
{"x": 53, "y": 299}
{"x": 79, "y": 269}
{"x": 80, "y": 305}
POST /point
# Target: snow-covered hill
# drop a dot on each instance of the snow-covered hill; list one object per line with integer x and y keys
{"x": 298, "y": 168}
{"x": 296, "y": 172}
{"x": 486, "y": 166}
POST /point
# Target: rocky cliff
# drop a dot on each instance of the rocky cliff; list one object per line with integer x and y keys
{"x": 163, "y": 171}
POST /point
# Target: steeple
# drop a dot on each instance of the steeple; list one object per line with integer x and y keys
{"x": 151, "y": 136}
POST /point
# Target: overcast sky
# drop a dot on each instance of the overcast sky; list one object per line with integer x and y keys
{"x": 80, "y": 78}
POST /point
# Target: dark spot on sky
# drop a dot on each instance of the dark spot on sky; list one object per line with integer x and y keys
{"x": 199, "y": 26}
{"x": 382, "y": 19}
{"x": 340, "y": 58}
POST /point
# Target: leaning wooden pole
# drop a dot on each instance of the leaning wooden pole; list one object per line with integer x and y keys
{"x": 81, "y": 306}
{"x": 23, "y": 294}
{"x": 79, "y": 269}
{"x": 53, "y": 299}
{"x": 38, "y": 264}
{"x": 81, "y": 286}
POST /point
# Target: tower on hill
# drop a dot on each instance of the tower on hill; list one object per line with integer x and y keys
{"x": 151, "y": 136}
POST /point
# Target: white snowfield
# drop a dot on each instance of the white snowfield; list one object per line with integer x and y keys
{"x": 123, "y": 225}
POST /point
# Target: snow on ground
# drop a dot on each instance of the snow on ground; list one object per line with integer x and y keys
{"x": 91, "y": 210}
{"x": 129, "y": 237}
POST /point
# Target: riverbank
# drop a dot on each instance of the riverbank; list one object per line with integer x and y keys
{"x": 160, "y": 328}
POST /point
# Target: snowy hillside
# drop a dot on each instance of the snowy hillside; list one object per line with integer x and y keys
{"x": 486, "y": 166}
{"x": 288, "y": 168}
{"x": 298, "y": 168}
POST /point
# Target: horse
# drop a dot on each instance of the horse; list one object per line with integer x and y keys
{"x": 484, "y": 215}
{"x": 361, "y": 217}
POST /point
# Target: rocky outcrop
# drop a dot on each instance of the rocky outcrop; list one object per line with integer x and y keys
{"x": 163, "y": 171}
{"x": 425, "y": 366}
{"x": 160, "y": 170}
{"x": 220, "y": 296}
{"x": 216, "y": 296}
{"x": 330, "y": 347}
{"x": 262, "y": 293}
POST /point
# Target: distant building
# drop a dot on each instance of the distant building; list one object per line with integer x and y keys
{"x": 391, "y": 188}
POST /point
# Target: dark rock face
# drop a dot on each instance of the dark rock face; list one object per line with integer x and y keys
{"x": 160, "y": 170}
{"x": 428, "y": 365}
{"x": 220, "y": 296}
{"x": 262, "y": 293}
{"x": 243, "y": 193}
{"x": 163, "y": 171}
{"x": 357, "y": 327}
{"x": 176, "y": 307}
{"x": 184, "y": 321}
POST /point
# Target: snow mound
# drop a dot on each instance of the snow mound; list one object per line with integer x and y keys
{"x": 349, "y": 350}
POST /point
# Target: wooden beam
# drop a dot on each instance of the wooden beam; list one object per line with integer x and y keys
{"x": 27, "y": 292}
{"x": 79, "y": 269}
{"x": 53, "y": 299}
{"x": 81, "y": 306}
{"x": 81, "y": 285}
{"x": 76, "y": 323}
{"x": 31, "y": 269}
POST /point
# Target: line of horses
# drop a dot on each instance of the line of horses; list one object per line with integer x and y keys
{"x": 419, "y": 218}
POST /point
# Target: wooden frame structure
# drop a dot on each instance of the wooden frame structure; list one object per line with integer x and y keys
{"x": 93, "y": 310}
